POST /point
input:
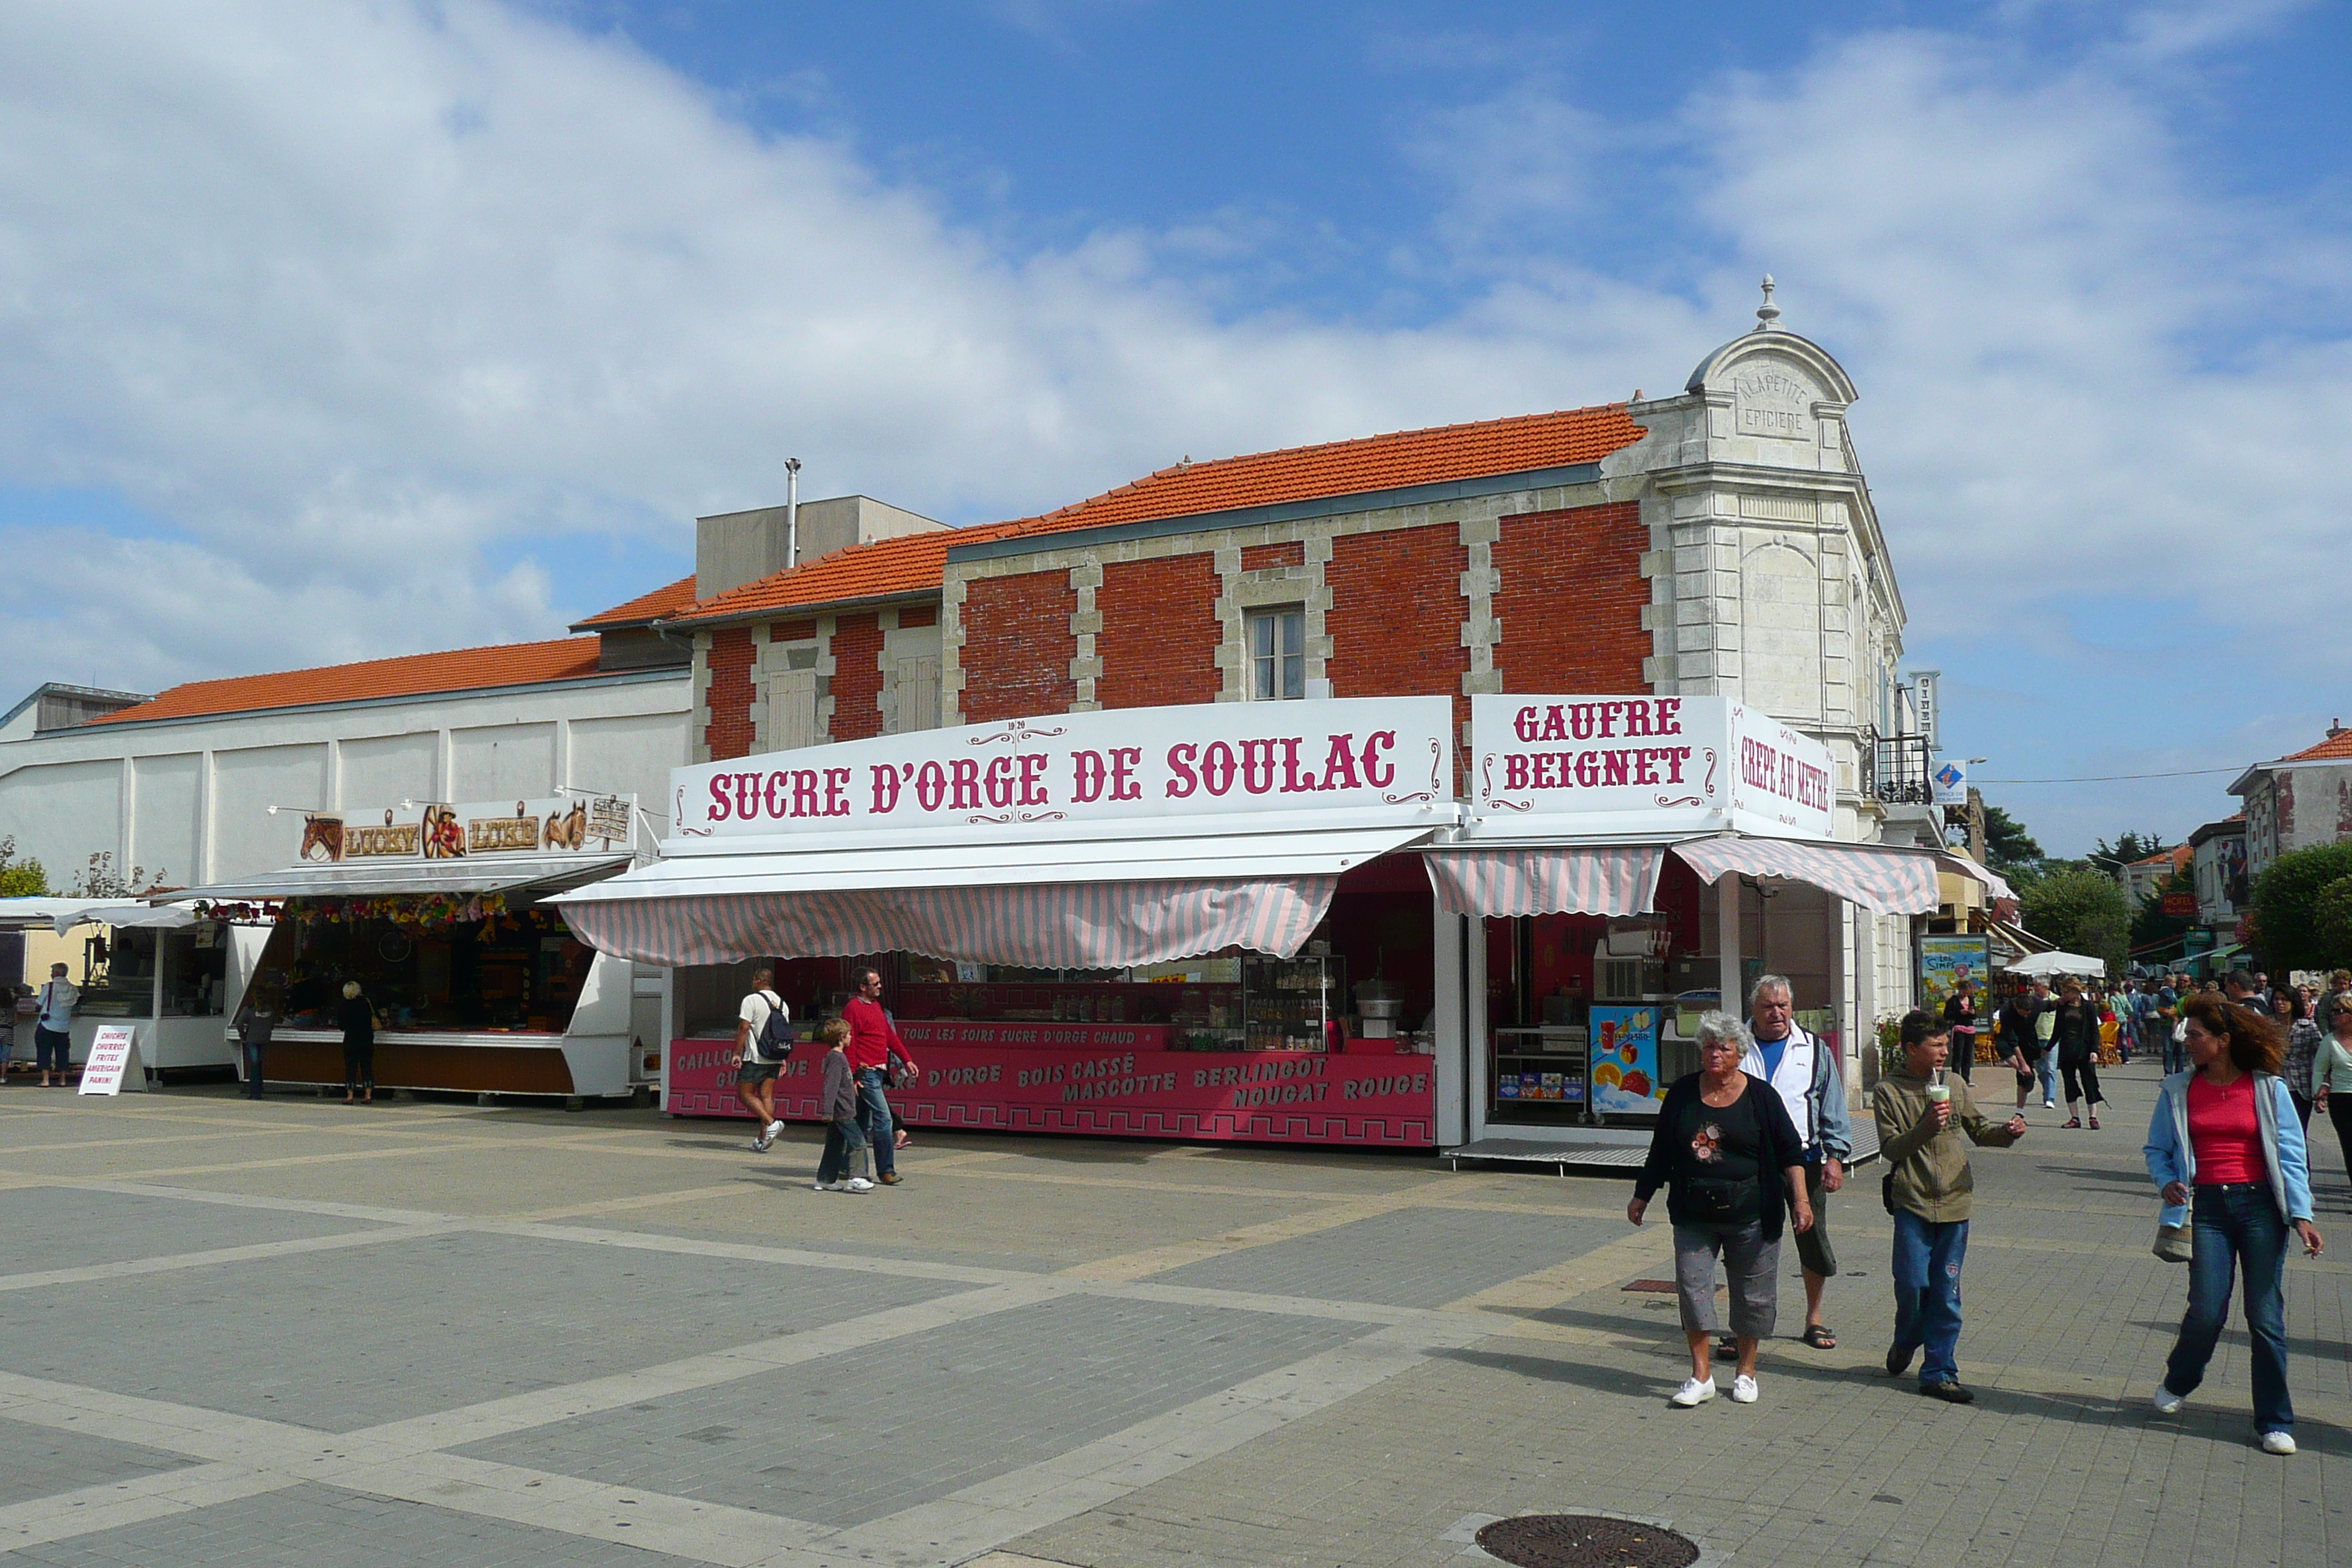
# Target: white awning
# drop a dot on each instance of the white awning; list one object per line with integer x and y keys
{"x": 396, "y": 879}
{"x": 1548, "y": 880}
{"x": 1104, "y": 903}
{"x": 1876, "y": 876}
{"x": 1961, "y": 866}
{"x": 61, "y": 915}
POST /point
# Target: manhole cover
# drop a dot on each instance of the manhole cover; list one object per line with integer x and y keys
{"x": 1655, "y": 1287}
{"x": 1585, "y": 1541}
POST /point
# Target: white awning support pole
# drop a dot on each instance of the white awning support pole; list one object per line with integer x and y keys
{"x": 1727, "y": 939}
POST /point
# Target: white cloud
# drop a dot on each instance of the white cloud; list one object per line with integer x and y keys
{"x": 369, "y": 300}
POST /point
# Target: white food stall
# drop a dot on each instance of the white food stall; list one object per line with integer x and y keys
{"x": 157, "y": 967}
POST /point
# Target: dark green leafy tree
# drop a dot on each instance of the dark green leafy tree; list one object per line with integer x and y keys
{"x": 2287, "y": 932}
{"x": 2007, "y": 845}
{"x": 20, "y": 879}
{"x": 2150, "y": 925}
{"x": 2080, "y": 910}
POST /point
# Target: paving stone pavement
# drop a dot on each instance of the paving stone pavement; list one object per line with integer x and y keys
{"x": 431, "y": 1334}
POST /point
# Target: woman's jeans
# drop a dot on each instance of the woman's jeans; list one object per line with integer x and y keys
{"x": 1929, "y": 1256}
{"x": 874, "y": 1116}
{"x": 54, "y": 1048}
{"x": 2237, "y": 1228}
{"x": 358, "y": 1069}
{"x": 2339, "y": 1112}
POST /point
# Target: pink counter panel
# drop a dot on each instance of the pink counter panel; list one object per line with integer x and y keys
{"x": 1111, "y": 1079}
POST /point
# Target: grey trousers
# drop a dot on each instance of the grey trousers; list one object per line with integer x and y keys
{"x": 1751, "y": 1265}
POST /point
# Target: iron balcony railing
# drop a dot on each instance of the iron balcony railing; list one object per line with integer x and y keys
{"x": 1899, "y": 770}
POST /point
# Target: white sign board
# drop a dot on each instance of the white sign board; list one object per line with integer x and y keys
{"x": 1200, "y": 759}
{"x": 1951, "y": 781}
{"x": 110, "y": 1057}
{"x": 1596, "y": 765}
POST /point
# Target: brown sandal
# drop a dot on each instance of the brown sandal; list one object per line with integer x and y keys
{"x": 1818, "y": 1335}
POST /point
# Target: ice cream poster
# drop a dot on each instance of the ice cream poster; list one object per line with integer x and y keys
{"x": 1625, "y": 1061}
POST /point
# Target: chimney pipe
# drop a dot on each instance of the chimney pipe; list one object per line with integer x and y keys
{"x": 791, "y": 512}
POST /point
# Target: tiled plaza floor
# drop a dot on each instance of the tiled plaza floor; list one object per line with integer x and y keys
{"x": 428, "y": 1333}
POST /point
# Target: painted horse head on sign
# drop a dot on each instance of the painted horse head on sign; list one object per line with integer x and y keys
{"x": 322, "y": 838}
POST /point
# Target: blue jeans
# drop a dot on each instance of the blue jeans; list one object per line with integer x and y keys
{"x": 2176, "y": 1054}
{"x": 844, "y": 1141}
{"x": 2046, "y": 1070}
{"x": 874, "y": 1116}
{"x": 1927, "y": 1259}
{"x": 2237, "y": 1228}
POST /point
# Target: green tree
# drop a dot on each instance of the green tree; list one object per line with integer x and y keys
{"x": 2127, "y": 847}
{"x": 20, "y": 879}
{"x": 2080, "y": 910}
{"x": 2007, "y": 844}
{"x": 2286, "y": 915}
{"x": 2331, "y": 917}
{"x": 2151, "y": 925}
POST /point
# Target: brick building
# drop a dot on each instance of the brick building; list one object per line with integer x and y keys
{"x": 1720, "y": 541}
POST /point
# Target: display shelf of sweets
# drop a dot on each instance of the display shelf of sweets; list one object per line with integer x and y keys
{"x": 1288, "y": 1005}
{"x": 1541, "y": 1071}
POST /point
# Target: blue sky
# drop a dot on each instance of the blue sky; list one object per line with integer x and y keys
{"x": 332, "y": 329}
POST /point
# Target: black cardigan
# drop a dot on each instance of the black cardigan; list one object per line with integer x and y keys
{"x": 1783, "y": 1147}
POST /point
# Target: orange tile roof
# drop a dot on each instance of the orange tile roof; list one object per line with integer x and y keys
{"x": 646, "y": 608}
{"x": 2337, "y": 745}
{"x": 413, "y": 675}
{"x": 1404, "y": 457}
{"x": 912, "y": 564}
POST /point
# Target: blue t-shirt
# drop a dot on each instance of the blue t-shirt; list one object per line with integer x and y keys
{"x": 1772, "y": 1052}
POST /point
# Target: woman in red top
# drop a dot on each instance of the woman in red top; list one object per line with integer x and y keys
{"x": 2227, "y": 1152}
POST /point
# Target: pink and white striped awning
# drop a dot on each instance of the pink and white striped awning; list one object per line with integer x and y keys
{"x": 1879, "y": 876}
{"x": 1551, "y": 879}
{"x": 1057, "y": 925}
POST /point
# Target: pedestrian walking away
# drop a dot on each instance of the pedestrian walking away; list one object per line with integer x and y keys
{"x": 1931, "y": 1191}
{"x": 763, "y": 1038}
{"x": 873, "y": 1042}
{"x": 53, "y": 1026}
{"x": 2074, "y": 1035}
{"x": 841, "y": 1168}
{"x": 1961, "y": 1018}
{"x": 2291, "y": 1012}
{"x": 255, "y": 1022}
{"x": 2167, "y": 1021}
{"x": 357, "y": 1016}
{"x": 2227, "y": 1157}
{"x": 1804, "y": 1073}
{"x": 2021, "y": 1041}
{"x": 2332, "y": 1079}
{"x": 1732, "y": 1160}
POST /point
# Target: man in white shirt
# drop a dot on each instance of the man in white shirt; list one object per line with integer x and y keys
{"x": 53, "y": 1029}
{"x": 1803, "y": 1071}
{"x": 756, "y": 1073}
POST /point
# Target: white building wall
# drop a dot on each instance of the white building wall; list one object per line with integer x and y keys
{"x": 190, "y": 798}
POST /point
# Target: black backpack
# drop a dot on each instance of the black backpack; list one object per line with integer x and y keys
{"x": 775, "y": 1042}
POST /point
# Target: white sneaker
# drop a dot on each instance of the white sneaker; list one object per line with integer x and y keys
{"x": 1743, "y": 1390}
{"x": 1693, "y": 1392}
{"x": 2049, "y": 1105}
{"x": 2278, "y": 1442}
{"x": 775, "y": 1130}
{"x": 858, "y": 1185}
{"x": 760, "y": 1144}
{"x": 826, "y": 1186}
{"x": 2169, "y": 1403}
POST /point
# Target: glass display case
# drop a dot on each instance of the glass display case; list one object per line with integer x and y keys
{"x": 1289, "y": 1004}
{"x": 1539, "y": 1074}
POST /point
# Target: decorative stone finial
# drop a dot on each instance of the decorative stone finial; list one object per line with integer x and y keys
{"x": 1768, "y": 314}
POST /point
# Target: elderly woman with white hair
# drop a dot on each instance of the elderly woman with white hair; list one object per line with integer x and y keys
{"x": 1734, "y": 1167}
{"x": 357, "y": 1016}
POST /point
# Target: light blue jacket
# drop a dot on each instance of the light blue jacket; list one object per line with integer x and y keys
{"x": 2171, "y": 1159}
{"x": 1826, "y": 1125}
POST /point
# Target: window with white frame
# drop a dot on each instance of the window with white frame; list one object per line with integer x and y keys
{"x": 1276, "y": 640}
{"x": 791, "y": 698}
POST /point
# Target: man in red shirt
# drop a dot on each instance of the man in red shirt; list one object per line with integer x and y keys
{"x": 873, "y": 1041}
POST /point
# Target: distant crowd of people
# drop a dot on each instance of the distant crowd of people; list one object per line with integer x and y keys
{"x": 1749, "y": 1147}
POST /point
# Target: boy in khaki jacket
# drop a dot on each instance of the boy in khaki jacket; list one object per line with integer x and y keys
{"x": 1929, "y": 1190}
